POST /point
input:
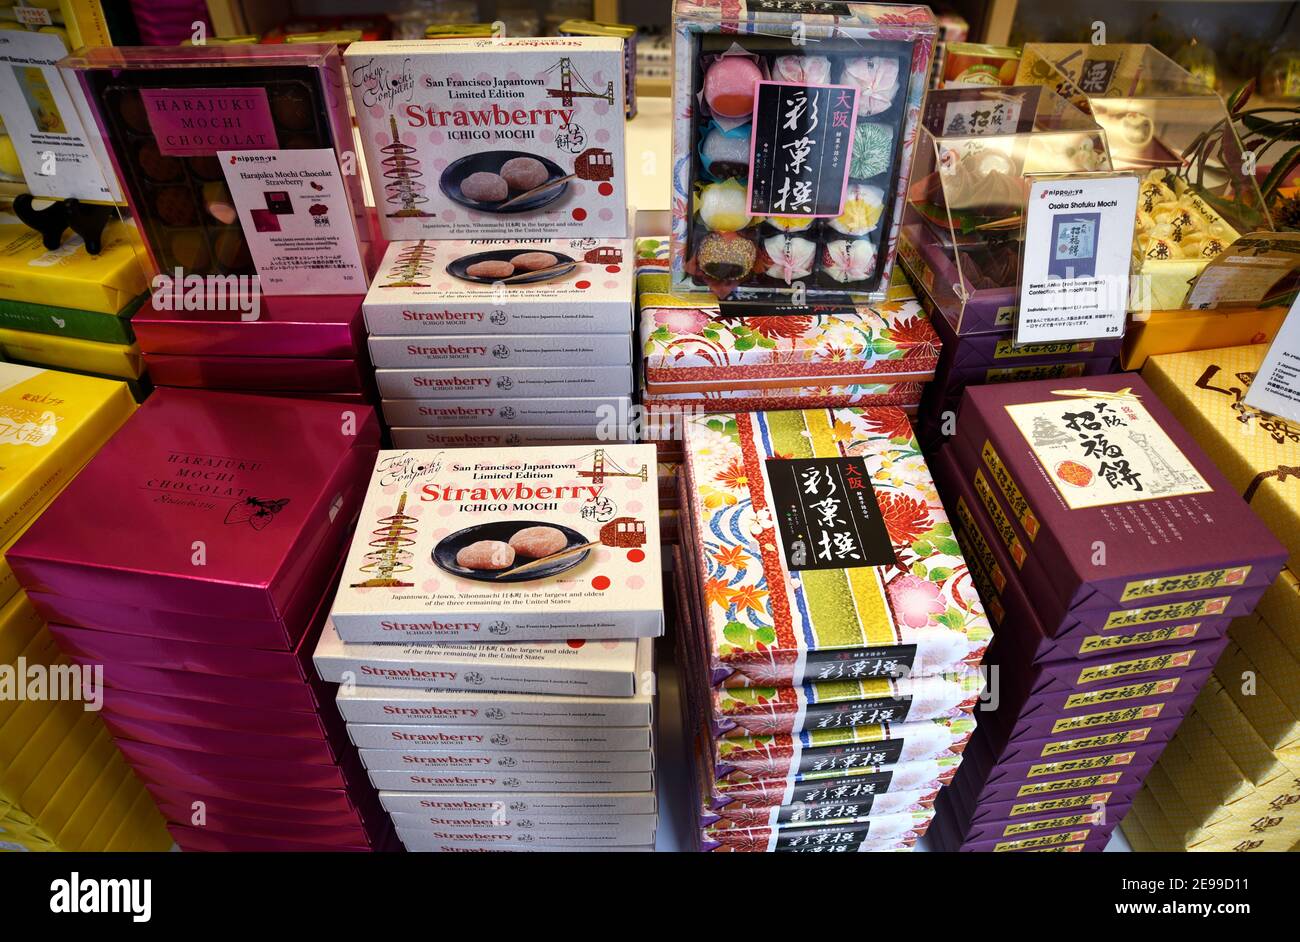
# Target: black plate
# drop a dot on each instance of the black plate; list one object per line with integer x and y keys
{"x": 457, "y": 269}
{"x": 491, "y": 162}
{"x": 444, "y": 554}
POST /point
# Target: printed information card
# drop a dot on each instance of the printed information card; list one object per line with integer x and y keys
{"x": 294, "y": 212}
{"x": 1276, "y": 387}
{"x": 1078, "y": 242}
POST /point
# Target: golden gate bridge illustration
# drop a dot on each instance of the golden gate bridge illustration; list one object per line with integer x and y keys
{"x": 413, "y": 263}
{"x": 568, "y": 76}
{"x": 390, "y": 553}
{"x": 601, "y": 464}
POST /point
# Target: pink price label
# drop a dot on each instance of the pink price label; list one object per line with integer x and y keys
{"x": 198, "y": 122}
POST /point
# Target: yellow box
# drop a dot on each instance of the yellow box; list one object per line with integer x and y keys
{"x": 72, "y": 353}
{"x": 1263, "y": 707}
{"x": 1280, "y": 607}
{"x": 19, "y": 624}
{"x": 41, "y": 649}
{"x": 143, "y": 830}
{"x": 1179, "y": 331}
{"x": 1254, "y": 450}
{"x": 9, "y": 584}
{"x": 115, "y": 810}
{"x": 56, "y": 750}
{"x": 96, "y": 778}
{"x": 50, "y": 424}
{"x": 104, "y": 283}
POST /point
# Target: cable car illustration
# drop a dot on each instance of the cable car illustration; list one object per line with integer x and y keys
{"x": 594, "y": 163}
{"x": 606, "y": 255}
{"x": 623, "y": 532}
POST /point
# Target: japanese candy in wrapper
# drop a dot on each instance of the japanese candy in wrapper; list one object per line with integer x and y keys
{"x": 1258, "y": 453}
{"x": 820, "y": 551}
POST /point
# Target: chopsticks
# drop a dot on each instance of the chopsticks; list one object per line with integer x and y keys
{"x": 537, "y": 189}
{"x": 553, "y": 270}
{"x": 545, "y": 560}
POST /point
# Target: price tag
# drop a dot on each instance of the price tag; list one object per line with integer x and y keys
{"x": 1075, "y": 272}
{"x": 1276, "y": 387}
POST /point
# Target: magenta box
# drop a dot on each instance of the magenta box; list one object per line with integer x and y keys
{"x": 255, "y": 484}
{"x": 238, "y": 768}
{"x": 223, "y": 742}
{"x": 182, "y": 781}
{"x": 212, "y": 688}
{"x": 233, "y": 825}
{"x": 319, "y": 326}
{"x": 252, "y": 719}
{"x": 198, "y": 839}
{"x": 1072, "y": 487}
{"x": 269, "y": 374}
{"x": 1019, "y": 639}
{"x": 1226, "y": 601}
{"x": 172, "y": 801}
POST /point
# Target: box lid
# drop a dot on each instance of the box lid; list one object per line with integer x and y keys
{"x": 318, "y": 326}
{"x": 105, "y": 283}
{"x": 780, "y": 604}
{"x": 1258, "y": 453}
{"x": 205, "y": 502}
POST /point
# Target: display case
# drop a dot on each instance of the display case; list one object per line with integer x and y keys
{"x": 166, "y": 113}
{"x": 792, "y": 138}
{"x": 963, "y": 221}
{"x": 1161, "y": 121}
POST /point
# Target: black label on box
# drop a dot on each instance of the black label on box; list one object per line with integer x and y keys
{"x": 886, "y": 709}
{"x": 844, "y": 788}
{"x": 812, "y": 812}
{"x": 838, "y": 839}
{"x": 827, "y": 513}
{"x": 851, "y": 756}
{"x": 893, "y": 661}
{"x": 803, "y": 137}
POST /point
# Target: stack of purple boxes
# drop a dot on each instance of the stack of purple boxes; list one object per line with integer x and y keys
{"x": 1111, "y": 555}
{"x": 193, "y": 560}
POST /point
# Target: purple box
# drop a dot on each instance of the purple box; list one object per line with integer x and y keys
{"x": 225, "y": 823}
{"x": 223, "y": 742}
{"x": 1008, "y": 604}
{"x": 238, "y": 768}
{"x": 175, "y": 779}
{"x": 173, "y": 799}
{"x": 933, "y": 274}
{"x": 253, "y": 719}
{"x": 200, "y": 840}
{"x": 269, "y": 374}
{"x": 1087, "y": 830}
{"x": 1119, "y": 507}
{"x": 212, "y": 688}
{"x": 196, "y": 471}
{"x": 318, "y": 326}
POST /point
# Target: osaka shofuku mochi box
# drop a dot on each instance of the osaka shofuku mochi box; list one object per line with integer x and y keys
{"x": 509, "y": 544}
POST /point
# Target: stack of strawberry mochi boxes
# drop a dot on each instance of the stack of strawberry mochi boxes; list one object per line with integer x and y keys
{"x": 1111, "y": 555}
{"x": 830, "y": 633}
{"x": 493, "y": 635}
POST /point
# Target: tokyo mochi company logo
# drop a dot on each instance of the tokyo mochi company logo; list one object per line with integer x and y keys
{"x": 389, "y": 552}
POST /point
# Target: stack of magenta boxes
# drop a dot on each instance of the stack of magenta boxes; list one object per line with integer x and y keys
{"x": 190, "y": 559}
{"x": 1111, "y": 555}
{"x": 493, "y": 627}
{"x": 830, "y": 632}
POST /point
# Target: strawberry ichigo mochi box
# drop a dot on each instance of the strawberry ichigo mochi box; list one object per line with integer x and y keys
{"x": 511, "y": 544}
{"x": 493, "y": 137}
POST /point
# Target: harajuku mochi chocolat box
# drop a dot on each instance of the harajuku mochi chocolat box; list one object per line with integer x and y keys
{"x": 1117, "y": 506}
{"x": 793, "y": 132}
{"x": 229, "y": 499}
{"x": 493, "y": 137}
{"x": 820, "y": 551}
{"x": 510, "y": 544}
{"x": 580, "y": 284}
{"x": 165, "y": 114}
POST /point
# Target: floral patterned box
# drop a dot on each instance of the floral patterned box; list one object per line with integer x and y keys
{"x": 701, "y": 349}
{"x": 1114, "y": 500}
{"x": 796, "y": 589}
{"x": 868, "y": 835}
{"x": 834, "y": 801}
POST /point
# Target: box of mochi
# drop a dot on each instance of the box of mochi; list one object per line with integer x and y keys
{"x": 559, "y": 543}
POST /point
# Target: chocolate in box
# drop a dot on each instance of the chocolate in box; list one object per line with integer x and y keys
{"x": 408, "y": 580}
{"x": 270, "y": 374}
{"x": 891, "y": 833}
{"x": 523, "y": 763}
{"x": 704, "y": 349}
{"x": 506, "y": 436}
{"x": 425, "y": 289}
{"x": 548, "y": 382}
{"x": 145, "y": 706}
{"x": 468, "y": 780}
{"x": 505, "y": 830}
{"x": 459, "y": 806}
{"x": 362, "y": 704}
{"x": 501, "y": 737}
{"x": 774, "y": 580}
{"x": 442, "y": 413}
{"x": 214, "y": 467}
{"x": 494, "y": 137}
{"x": 320, "y": 326}
{"x": 603, "y": 668}
{"x": 1108, "y": 459}
{"x": 497, "y": 351}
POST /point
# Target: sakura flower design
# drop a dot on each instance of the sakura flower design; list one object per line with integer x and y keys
{"x": 915, "y": 600}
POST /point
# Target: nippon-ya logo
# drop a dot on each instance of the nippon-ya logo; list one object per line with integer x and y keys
{"x": 251, "y": 159}
{"x": 1049, "y": 192}
{"x": 87, "y": 895}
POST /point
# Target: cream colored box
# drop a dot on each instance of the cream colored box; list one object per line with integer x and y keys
{"x": 529, "y": 738}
